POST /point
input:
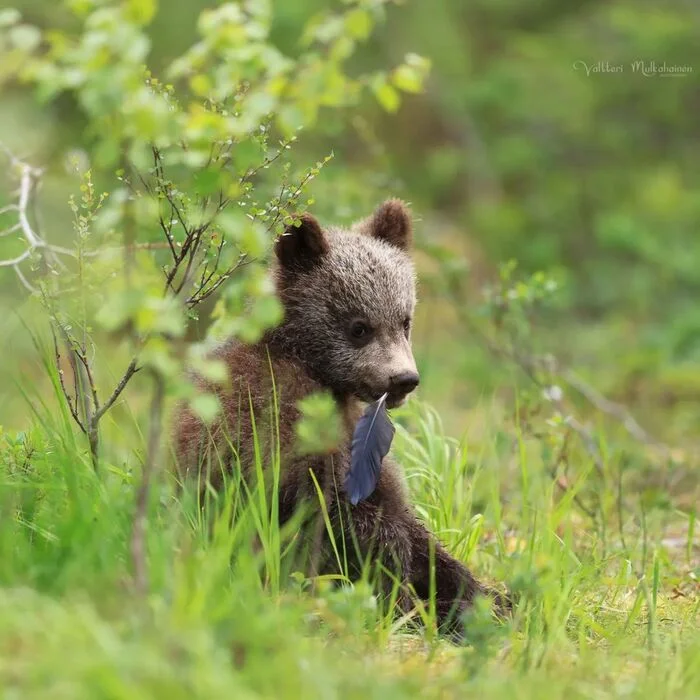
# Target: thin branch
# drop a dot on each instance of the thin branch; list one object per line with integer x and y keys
{"x": 84, "y": 405}
{"x": 13, "y": 262}
{"x": 29, "y": 178}
{"x": 150, "y": 468}
{"x": 91, "y": 382}
{"x": 24, "y": 281}
{"x": 190, "y": 260}
{"x": 130, "y": 371}
{"x": 168, "y": 235}
{"x": 561, "y": 459}
{"x": 616, "y": 410}
{"x": 73, "y": 409}
{"x": 530, "y": 366}
{"x": 533, "y": 365}
{"x": 201, "y": 294}
{"x": 206, "y": 278}
{"x": 10, "y": 231}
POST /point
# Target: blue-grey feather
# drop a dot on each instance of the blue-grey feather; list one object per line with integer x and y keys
{"x": 370, "y": 444}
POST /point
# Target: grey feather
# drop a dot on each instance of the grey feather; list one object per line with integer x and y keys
{"x": 370, "y": 444}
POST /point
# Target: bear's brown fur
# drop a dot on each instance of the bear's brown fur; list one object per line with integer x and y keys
{"x": 348, "y": 298}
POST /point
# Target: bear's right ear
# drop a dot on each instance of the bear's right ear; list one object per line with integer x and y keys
{"x": 301, "y": 246}
{"x": 391, "y": 222}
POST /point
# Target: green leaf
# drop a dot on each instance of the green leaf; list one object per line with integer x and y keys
{"x": 386, "y": 95}
{"x": 246, "y": 155}
{"x": 325, "y": 31}
{"x": 25, "y": 37}
{"x": 201, "y": 85}
{"x": 116, "y": 311}
{"x": 207, "y": 181}
{"x": 411, "y": 75}
{"x": 9, "y": 17}
{"x": 259, "y": 104}
{"x": 407, "y": 79}
{"x": 358, "y": 23}
{"x": 214, "y": 370}
{"x": 319, "y": 429}
{"x": 254, "y": 238}
{"x": 142, "y": 11}
{"x": 206, "y": 406}
{"x": 290, "y": 118}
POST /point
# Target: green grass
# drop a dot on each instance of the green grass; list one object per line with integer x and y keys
{"x": 608, "y": 605}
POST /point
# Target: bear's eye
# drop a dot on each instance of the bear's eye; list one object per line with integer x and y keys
{"x": 359, "y": 330}
{"x": 407, "y": 326}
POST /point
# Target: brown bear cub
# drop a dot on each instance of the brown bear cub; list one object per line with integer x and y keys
{"x": 348, "y": 299}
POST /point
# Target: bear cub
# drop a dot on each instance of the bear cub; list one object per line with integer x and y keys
{"x": 348, "y": 297}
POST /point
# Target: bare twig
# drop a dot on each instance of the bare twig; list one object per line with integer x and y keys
{"x": 29, "y": 178}
{"x": 71, "y": 407}
{"x": 188, "y": 245}
{"x": 13, "y": 262}
{"x": 616, "y": 410}
{"x": 128, "y": 374}
{"x": 85, "y": 387}
{"x": 533, "y": 365}
{"x": 562, "y": 483}
{"x": 203, "y": 293}
{"x": 24, "y": 281}
{"x": 11, "y": 230}
{"x": 80, "y": 354}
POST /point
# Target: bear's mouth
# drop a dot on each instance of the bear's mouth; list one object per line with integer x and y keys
{"x": 396, "y": 400}
{"x": 393, "y": 399}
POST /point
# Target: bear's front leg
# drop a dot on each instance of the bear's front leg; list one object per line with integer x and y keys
{"x": 455, "y": 588}
{"x": 385, "y": 528}
{"x": 377, "y": 542}
{"x": 404, "y": 547}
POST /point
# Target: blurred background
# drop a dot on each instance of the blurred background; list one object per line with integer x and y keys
{"x": 560, "y": 134}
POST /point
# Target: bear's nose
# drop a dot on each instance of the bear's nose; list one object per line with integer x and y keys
{"x": 404, "y": 383}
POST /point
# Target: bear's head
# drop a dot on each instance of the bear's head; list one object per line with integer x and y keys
{"x": 348, "y": 297}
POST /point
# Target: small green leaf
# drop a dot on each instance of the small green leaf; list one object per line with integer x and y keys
{"x": 142, "y": 11}
{"x": 320, "y": 428}
{"x": 290, "y": 118}
{"x": 259, "y": 104}
{"x": 206, "y": 406}
{"x": 214, "y": 370}
{"x": 358, "y": 23}
{"x": 407, "y": 79}
{"x": 201, "y": 85}
{"x": 386, "y": 95}
{"x": 25, "y": 37}
{"x": 246, "y": 155}
{"x": 207, "y": 181}
{"x": 9, "y": 17}
{"x": 411, "y": 75}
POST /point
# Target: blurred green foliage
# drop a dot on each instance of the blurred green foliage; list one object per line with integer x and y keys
{"x": 572, "y": 189}
{"x": 547, "y": 134}
{"x": 195, "y": 168}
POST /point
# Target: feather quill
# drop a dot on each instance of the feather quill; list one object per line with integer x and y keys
{"x": 370, "y": 444}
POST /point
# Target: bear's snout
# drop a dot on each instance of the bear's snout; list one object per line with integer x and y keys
{"x": 403, "y": 383}
{"x": 400, "y": 386}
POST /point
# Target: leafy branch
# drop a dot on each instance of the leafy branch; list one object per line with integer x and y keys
{"x": 194, "y": 205}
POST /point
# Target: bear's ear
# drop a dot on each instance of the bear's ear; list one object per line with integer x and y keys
{"x": 391, "y": 222}
{"x": 301, "y": 245}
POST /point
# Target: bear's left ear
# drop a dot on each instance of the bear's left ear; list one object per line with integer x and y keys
{"x": 391, "y": 222}
{"x": 302, "y": 245}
